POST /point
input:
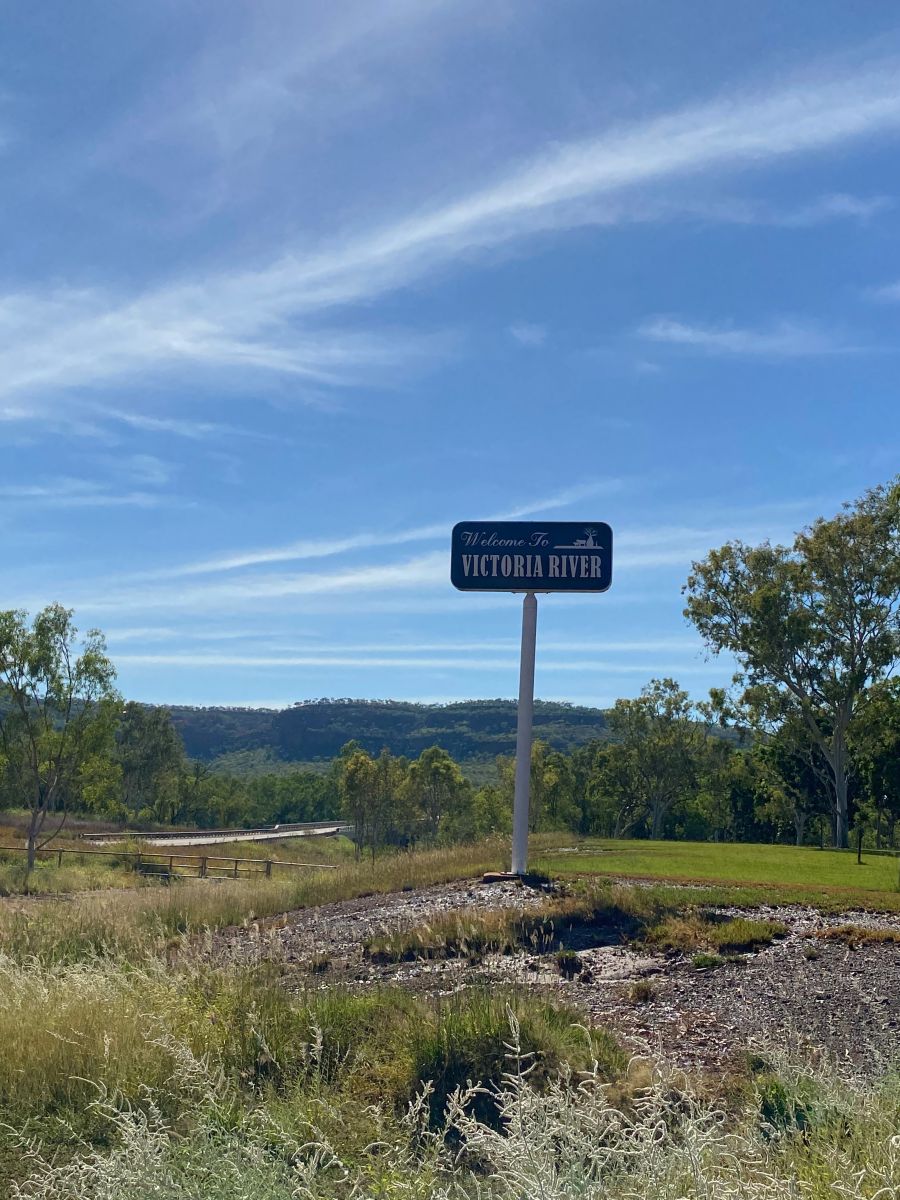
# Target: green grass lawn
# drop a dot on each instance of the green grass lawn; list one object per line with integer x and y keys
{"x": 787, "y": 867}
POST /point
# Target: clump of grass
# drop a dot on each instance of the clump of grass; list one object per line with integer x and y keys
{"x": 640, "y": 992}
{"x": 568, "y": 963}
{"x": 707, "y": 962}
{"x": 698, "y": 931}
{"x": 469, "y": 1044}
{"x": 810, "y": 953}
{"x": 539, "y": 927}
{"x": 860, "y": 935}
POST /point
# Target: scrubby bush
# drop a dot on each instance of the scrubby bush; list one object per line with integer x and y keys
{"x": 569, "y": 1140}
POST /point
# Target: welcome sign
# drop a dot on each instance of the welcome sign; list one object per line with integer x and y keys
{"x": 524, "y": 556}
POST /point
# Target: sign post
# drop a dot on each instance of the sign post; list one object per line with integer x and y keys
{"x": 524, "y": 718}
{"x": 518, "y": 556}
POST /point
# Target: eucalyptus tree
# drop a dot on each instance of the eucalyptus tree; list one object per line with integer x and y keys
{"x": 816, "y": 624}
{"x": 875, "y": 744}
{"x": 152, "y": 759}
{"x": 358, "y": 784}
{"x": 794, "y": 777}
{"x": 436, "y": 786}
{"x": 655, "y": 758}
{"x": 57, "y": 706}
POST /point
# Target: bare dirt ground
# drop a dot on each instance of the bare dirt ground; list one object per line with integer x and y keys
{"x": 801, "y": 993}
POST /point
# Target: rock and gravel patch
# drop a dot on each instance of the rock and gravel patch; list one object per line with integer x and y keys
{"x": 801, "y": 993}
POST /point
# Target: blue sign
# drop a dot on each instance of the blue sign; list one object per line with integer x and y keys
{"x": 528, "y": 556}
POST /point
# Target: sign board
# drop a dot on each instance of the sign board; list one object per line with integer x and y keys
{"x": 529, "y": 556}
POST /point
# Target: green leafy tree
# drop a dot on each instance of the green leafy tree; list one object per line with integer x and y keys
{"x": 654, "y": 761}
{"x": 436, "y": 786}
{"x": 358, "y": 781}
{"x": 794, "y": 778}
{"x": 875, "y": 744}
{"x": 56, "y": 704}
{"x": 817, "y": 623}
{"x": 386, "y": 819}
{"x": 491, "y": 811}
{"x": 152, "y": 759}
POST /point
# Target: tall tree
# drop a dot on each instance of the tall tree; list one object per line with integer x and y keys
{"x": 56, "y": 704}
{"x": 818, "y": 622}
{"x": 794, "y": 777}
{"x": 152, "y": 758}
{"x": 654, "y": 761}
{"x": 875, "y": 744}
{"x": 436, "y": 785}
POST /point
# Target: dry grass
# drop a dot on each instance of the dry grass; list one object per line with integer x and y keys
{"x": 159, "y": 1040}
{"x": 663, "y": 917}
{"x": 148, "y": 920}
{"x": 697, "y": 932}
{"x": 860, "y": 935}
{"x": 795, "y": 1134}
{"x": 538, "y": 927}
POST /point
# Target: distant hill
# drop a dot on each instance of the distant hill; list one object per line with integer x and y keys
{"x": 316, "y": 730}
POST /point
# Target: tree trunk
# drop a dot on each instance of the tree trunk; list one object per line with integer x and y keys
{"x": 657, "y": 818}
{"x": 34, "y": 828}
{"x": 799, "y": 827}
{"x": 841, "y": 818}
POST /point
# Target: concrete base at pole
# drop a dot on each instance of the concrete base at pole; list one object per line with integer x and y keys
{"x": 525, "y": 716}
{"x": 527, "y": 879}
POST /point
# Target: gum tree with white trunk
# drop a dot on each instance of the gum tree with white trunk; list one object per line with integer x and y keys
{"x": 817, "y": 623}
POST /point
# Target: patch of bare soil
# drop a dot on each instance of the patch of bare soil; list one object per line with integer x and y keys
{"x": 801, "y": 993}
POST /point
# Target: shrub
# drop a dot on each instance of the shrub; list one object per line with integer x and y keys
{"x": 706, "y": 962}
{"x": 556, "y": 1144}
{"x": 641, "y": 991}
{"x": 568, "y": 963}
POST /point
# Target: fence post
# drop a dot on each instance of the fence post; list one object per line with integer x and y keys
{"x": 171, "y": 858}
{"x": 268, "y": 868}
{"x": 203, "y": 866}
{"x": 235, "y": 868}
{"x": 59, "y": 859}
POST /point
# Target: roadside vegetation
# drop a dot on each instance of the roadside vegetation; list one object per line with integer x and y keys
{"x": 156, "y": 919}
{"x": 220, "y": 1130}
{"x": 114, "y": 1039}
{"x": 664, "y": 919}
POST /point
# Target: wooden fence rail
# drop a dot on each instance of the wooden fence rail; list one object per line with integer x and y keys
{"x": 205, "y": 864}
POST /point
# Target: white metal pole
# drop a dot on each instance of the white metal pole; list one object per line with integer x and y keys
{"x": 523, "y": 736}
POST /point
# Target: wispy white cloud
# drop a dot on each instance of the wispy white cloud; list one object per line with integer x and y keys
{"x": 460, "y": 661}
{"x": 249, "y": 319}
{"x": 416, "y": 585}
{"x": 276, "y": 70}
{"x": 836, "y": 205}
{"x": 327, "y": 548}
{"x": 740, "y": 210}
{"x": 178, "y": 426}
{"x": 889, "y": 292}
{"x": 528, "y": 335}
{"x": 78, "y": 493}
{"x": 262, "y": 644}
{"x": 784, "y": 340}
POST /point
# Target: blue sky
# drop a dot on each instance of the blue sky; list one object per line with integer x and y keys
{"x": 287, "y": 289}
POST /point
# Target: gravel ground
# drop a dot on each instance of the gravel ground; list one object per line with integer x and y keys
{"x": 843, "y": 1002}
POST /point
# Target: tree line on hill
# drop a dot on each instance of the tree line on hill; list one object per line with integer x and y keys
{"x": 805, "y": 743}
{"x": 317, "y": 729}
